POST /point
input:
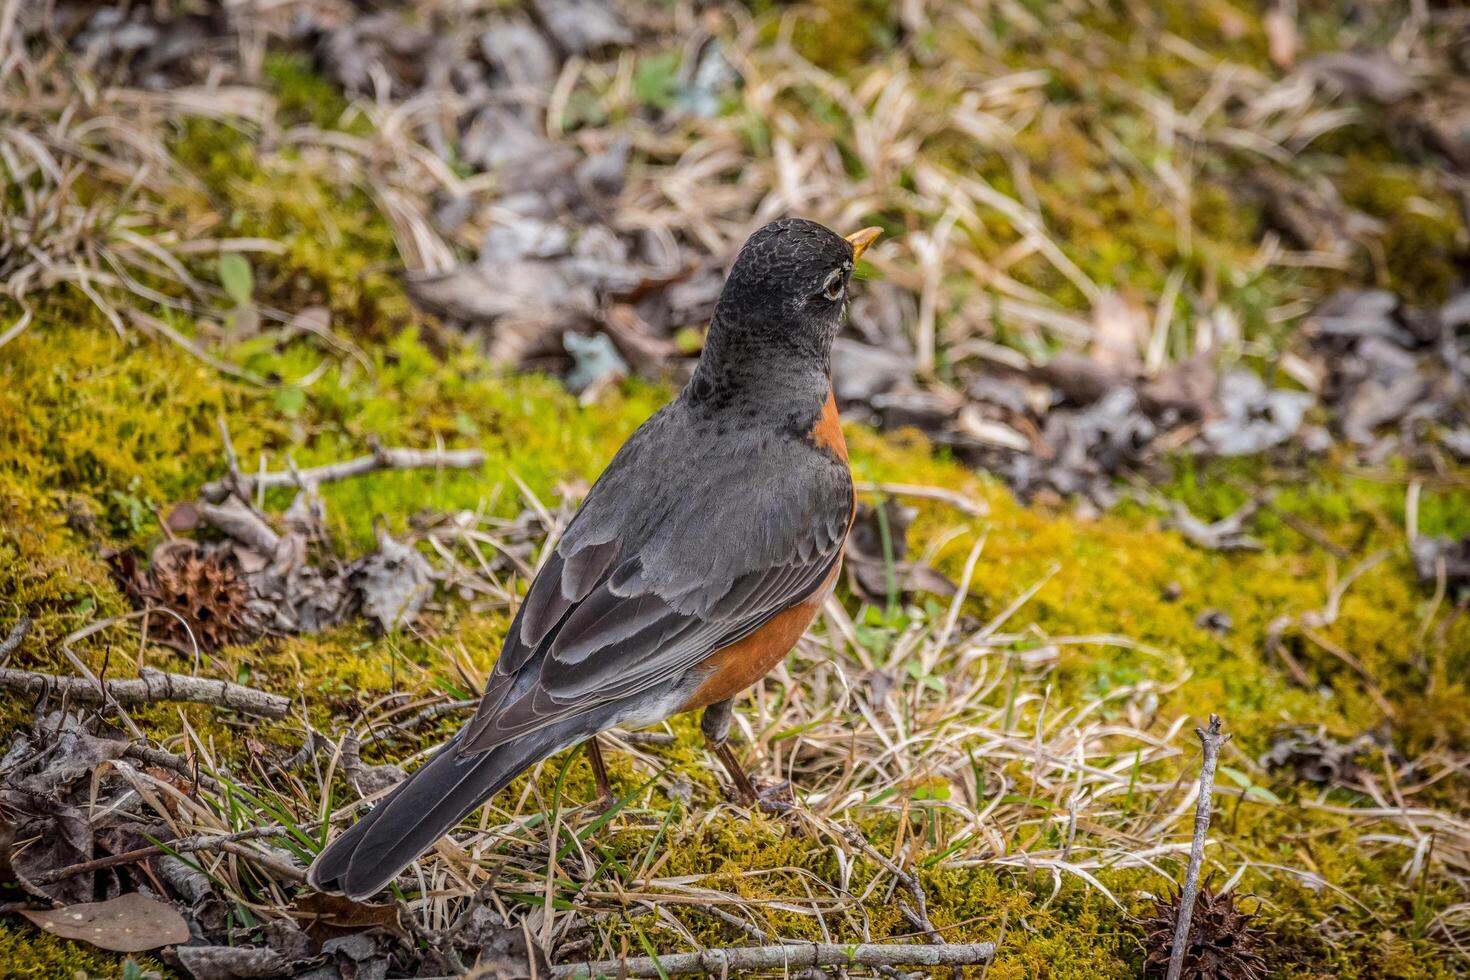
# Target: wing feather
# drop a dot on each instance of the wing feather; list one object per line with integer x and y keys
{"x": 646, "y": 583}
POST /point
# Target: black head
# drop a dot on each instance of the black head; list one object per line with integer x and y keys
{"x": 782, "y": 304}
{"x": 787, "y": 287}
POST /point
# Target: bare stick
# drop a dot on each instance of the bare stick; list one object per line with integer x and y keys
{"x": 381, "y": 459}
{"x": 184, "y": 845}
{"x": 740, "y": 960}
{"x": 960, "y": 502}
{"x": 918, "y": 915}
{"x": 174, "y": 763}
{"x": 150, "y": 687}
{"x": 1212, "y": 740}
{"x": 17, "y": 633}
{"x": 1227, "y": 534}
{"x": 238, "y": 521}
{"x": 434, "y": 712}
{"x": 268, "y": 862}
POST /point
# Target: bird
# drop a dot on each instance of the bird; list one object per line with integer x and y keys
{"x": 692, "y": 567}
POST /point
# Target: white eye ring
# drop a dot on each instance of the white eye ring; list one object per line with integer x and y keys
{"x": 834, "y": 285}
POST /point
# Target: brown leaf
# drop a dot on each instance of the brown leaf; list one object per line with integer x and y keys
{"x": 1185, "y": 390}
{"x": 392, "y": 583}
{"x": 861, "y": 371}
{"x": 63, "y": 838}
{"x": 648, "y": 353}
{"x": 184, "y": 517}
{"x": 328, "y": 916}
{"x": 1081, "y": 380}
{"x": 129, "y": 923}
{"x": 1315, "y": 756}
{"x": 580, "y": 26}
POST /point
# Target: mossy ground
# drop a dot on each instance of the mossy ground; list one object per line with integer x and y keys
{"x": 101, "y": 434}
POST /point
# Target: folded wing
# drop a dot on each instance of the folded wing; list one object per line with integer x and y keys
{"x": 646, "y": 584}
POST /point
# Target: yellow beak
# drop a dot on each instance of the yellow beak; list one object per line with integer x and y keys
{"x": 860, "y": 240}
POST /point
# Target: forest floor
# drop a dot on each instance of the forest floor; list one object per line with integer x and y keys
{"x": 1162, "y": 413}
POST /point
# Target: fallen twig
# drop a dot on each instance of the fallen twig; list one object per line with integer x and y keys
{"x": 268, "y": 862}
{"x": 960, "y": 502}
{"x": 434, "y": 712}
{"x": 235, "y": 519}
{"x": 150, "y": 687}
{"x": 380, "y": 459}
{"x": 174, "y": 763}
{"x": 738, "y": 960}
{"x": 17, "y": 633}
{"x": 642, "y": 738}
{"x": 184, "y": 845}
{"x": 1212, "y": 739}
{"x": 1226, "y": 534}
{"x": 314, "y": 742}
{"x": 917, "y": 915}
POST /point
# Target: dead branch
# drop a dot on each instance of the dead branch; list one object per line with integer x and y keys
{"x": 916, "y": 915}
{"x": 1212, "y": 739}
{"x": 1227, "y": 534}
{"x": 314, "y": 742}
{"x": 642, "y": 738}
{"x": 739, "y": 960}
{"x": 174, "y": 763}
{"x": 380, "y": 459}
{"x": 17, "y": 633}
{"x": 236, "y": 520}
{"x": 434, "y": 712}
{"x": 184, "y": 845}
{"x": 960, "y": 502}
{"x": 150, "y": 687}
{"x": 277, "y": 866}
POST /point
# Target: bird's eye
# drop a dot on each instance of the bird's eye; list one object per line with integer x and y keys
{"x": 832, "y": 288}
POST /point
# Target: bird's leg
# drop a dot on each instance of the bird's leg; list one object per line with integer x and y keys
{"x": 744, "y": 789}
{"x": 599, "y": 774}
{"x": 715, "y": 724}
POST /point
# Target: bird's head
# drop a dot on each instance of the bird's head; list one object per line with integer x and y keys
{"x": 785, "y": 296}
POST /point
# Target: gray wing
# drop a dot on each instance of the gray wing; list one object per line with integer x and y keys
{"x": 650, "y": 580}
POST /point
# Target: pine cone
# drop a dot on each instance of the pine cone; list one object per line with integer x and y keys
{"x": 1224, "y": 943}
{"x": 205, "y": 589}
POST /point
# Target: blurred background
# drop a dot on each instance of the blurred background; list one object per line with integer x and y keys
{"x": 1114, "y": 229}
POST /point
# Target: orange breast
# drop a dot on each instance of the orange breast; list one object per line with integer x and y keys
{"x": 827, "y": 433}
{"x": 739, "y": 665}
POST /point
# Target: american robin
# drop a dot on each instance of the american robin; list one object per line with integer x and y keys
{"x": 696, "y": 562}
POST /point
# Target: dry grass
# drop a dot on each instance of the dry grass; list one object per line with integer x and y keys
{"x": 89, "y": 178}
{"x": 967, "y": 760}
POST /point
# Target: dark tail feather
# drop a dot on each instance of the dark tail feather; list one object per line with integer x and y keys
{"x": 423, "y": 808}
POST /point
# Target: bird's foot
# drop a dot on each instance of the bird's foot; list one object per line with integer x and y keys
{"x": 776, "y": 797}
{"x": 769, "y": 796}
{"x": 772, "y": 797}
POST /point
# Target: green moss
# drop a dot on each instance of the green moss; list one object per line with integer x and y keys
{"x": 304, "y": 97}
{"x": 30, "y": 954}
{"x": 833, "y": 34}
{"x": 1424, "y": 248}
